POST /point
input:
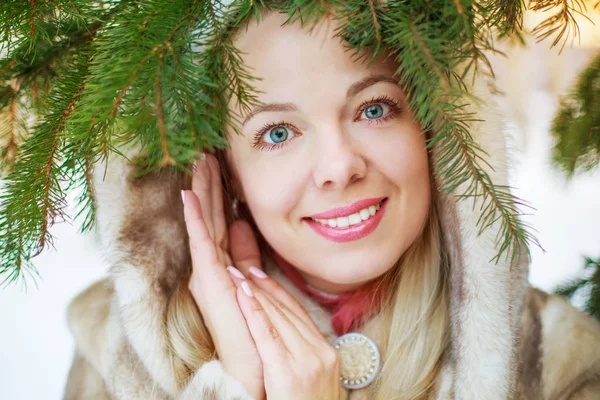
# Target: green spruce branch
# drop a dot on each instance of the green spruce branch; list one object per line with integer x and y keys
{"x": 160, "y": 75}
{"x": 591, "y": 283}
{"x": 32, "y": 198}
{"x": 34, "y": 21}
{"x": 562, "y": 24}
{"x": 13, "y": 127}
{"x": 576, "y": 127}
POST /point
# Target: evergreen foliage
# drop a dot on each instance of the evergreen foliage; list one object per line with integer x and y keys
{"x": 591, "y": 283}
{"x": 576, "y": 127}
{"x": 80, "y": 78}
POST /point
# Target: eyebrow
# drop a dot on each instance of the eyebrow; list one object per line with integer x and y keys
{"x": 352, "y": 91}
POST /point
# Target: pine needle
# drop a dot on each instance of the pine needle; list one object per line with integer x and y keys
{"x": 158, "y": 74}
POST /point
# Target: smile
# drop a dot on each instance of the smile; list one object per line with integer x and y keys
{"x": 346, "y": 228}
{"x": 352, "y": 219}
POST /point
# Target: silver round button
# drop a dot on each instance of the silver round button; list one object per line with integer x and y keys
{"x": 360, "y": 360}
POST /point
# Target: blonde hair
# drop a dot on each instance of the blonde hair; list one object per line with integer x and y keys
{"x": 412, "y": 325}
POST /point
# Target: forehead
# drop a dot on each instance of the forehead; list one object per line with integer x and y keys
{"x": 293, "y": 57}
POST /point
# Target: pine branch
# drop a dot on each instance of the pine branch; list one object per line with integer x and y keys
{"x": 32, "y": 197}
{"x": 356, "y": 27}
{"x": 576, "y": 127}
{"x": 569, "y": 289}
{"x": 26, "y": 22}
{"x": 460, "y": 159}
{"x": 28, "y": 72}
{"x": 562, "y": 24}
{"x": 307, "y": 11}
{"x": 144, "y": 25}
{"x": 13, "y": 129}
{"x": 81, "y": 176}
{"x": 222, "y": 63}
{"x": 160, "y": 75}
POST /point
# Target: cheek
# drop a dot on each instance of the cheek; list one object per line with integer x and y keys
{"x": 402, "y": 158}
{"x": 403, "y": 161}
{"x": 270, "y": 191}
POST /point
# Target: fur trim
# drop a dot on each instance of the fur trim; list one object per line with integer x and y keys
{"x": 505, "y": 341}
{"x": 484, "y": 299}
{"x": 212, "y": 383}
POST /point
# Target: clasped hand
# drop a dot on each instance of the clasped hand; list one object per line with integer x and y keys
{"x": 263, "y": 336}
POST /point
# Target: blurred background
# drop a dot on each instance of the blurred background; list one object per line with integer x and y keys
{"x": 37, "y": 346}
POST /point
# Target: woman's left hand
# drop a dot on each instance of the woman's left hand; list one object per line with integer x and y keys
{"x": 298, "y": 363}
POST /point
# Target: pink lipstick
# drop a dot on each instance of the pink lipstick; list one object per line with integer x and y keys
{"x": 353, "y": 222}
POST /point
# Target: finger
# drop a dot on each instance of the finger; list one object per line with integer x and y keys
{"x": 218, "y": 215}
{"x": 209, "y": 281}
{"x": 201, "y": 243}
{"x": 236, "y": 275}
{"x": 297, "y": 337}
{"x": 269, "y": 343}
{"x": 243, "y": 246}
{"x": 201, "y": 186}
{"x": 214, "y": 291}
{"x": 277, "y": 292}
{"x": 208, "y": 275}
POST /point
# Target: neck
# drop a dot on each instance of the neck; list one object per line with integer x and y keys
{"x": 350, "y": 309}
{"x": 326, "y": 286}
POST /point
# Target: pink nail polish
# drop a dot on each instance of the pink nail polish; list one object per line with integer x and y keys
{"x": 258, "y": 273}
{"x": 246, "y": 289}
{"x": 235, "y": 272}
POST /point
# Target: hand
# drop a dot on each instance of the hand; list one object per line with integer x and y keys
{"x": 298, "y": 361}
{"x": 211, "y": 285}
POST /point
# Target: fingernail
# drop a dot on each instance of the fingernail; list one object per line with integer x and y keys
{"x": 183, "y": 196}
{"x": 246, "y": 289}
{"x": 235, "y": 272}
{"x": 258, "y": 273}
{"x": 195, "y": 166}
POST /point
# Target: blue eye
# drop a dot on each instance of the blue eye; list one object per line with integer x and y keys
{"x": 274, "y": 136}
{"x": 277, "y": 135}
{"x": 374, "y": 111}
{"x": 379, "y": 109}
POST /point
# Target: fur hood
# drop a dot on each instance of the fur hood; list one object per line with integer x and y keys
{"x": 508, "y": 341}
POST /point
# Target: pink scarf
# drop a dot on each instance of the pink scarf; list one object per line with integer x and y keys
{"x": 349, "y": 310}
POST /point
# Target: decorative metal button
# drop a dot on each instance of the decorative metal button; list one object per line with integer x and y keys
{"x": 360, "y": 360}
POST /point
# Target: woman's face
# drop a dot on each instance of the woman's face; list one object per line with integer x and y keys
{"x": 336, "y": 143}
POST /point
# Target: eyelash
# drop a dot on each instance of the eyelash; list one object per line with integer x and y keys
{"x": 395, "y": 109}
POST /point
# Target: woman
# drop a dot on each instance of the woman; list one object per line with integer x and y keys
{"x": 338, "y": 207}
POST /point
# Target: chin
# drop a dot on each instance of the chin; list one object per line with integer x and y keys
{"x": 355, "y": 272}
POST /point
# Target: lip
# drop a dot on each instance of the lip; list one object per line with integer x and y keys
{"x": 351, "y": 233}
{"x": 347, "y": 210}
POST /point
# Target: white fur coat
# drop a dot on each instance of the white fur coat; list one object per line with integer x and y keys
{"x": 508, "y": 341}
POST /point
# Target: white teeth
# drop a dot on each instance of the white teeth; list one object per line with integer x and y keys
{"x": 342, "y": 222}
{"x": 372, "y": 210}
{"x": 353, "y": 219}
{"x": 364, "y": 214}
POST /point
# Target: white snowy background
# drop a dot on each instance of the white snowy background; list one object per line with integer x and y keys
{"x": 36, "y": 347}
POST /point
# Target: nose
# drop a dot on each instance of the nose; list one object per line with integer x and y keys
{"x": 340, "y": 161}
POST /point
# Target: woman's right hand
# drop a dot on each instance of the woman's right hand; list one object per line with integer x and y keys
{"x": 211, "y": 285}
